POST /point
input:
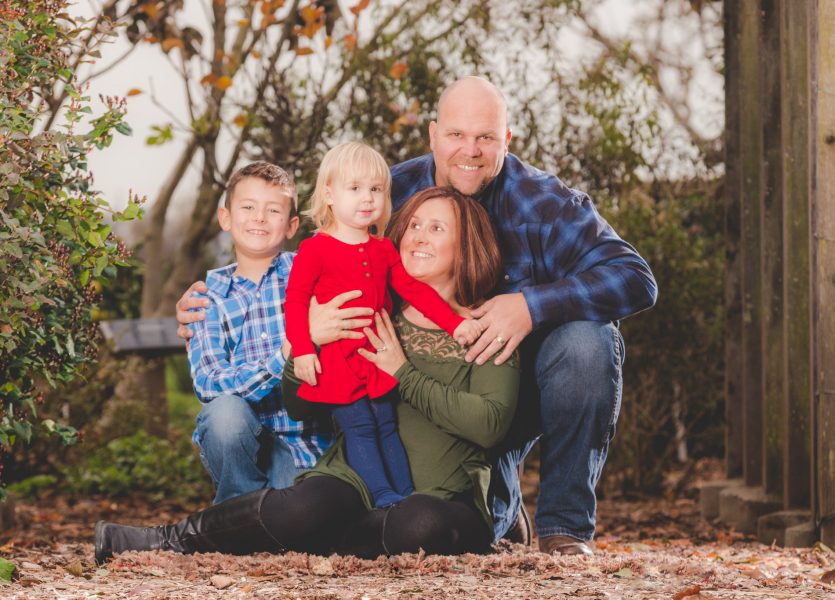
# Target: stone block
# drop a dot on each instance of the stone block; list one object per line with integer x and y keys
{"x": 709, "y": 496}
{"x": 773, "y": 526}
{"x": 741, "y": 506}
{"x": 801, "y": 536}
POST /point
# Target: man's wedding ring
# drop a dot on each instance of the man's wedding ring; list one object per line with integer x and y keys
{"x": 383, "y": 349}
{"x": 501, "y": 340}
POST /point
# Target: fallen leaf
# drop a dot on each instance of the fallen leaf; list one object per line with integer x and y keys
{"x": 821, "y": 547}
{"x": 828, "y": 577}
{"x": 304, "y": 51}
{"x": 75, "y": 568}
{"x": 221, "y": 582}
{"x": 134, "y": 92}
{"x": 624, "y": 572}
{"x": 693, "y": 590}
{"x": 322, "y": 567}
{"x": 753, "y": 572}
{"x": 7, "y": 569}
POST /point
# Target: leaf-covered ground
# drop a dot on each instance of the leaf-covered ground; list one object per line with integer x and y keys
{"x": 645, "y": 549}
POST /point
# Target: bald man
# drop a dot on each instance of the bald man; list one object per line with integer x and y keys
{"x": 568, "y": 279}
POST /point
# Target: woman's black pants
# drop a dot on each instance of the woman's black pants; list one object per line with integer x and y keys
{"x": 323, "y": 514}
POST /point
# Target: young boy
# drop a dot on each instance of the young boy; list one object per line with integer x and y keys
{"x": 246, "y": 439}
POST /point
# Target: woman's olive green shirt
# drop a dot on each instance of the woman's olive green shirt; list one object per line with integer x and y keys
{"x": 450, "y": 412}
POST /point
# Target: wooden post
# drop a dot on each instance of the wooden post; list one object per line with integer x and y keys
{"x": 795, "y": 27}
{"x": 733, "y": 257}
{"x": 750, "y": 160}
{"x": 823, "y": 217}
{"x": 773, "y": 334}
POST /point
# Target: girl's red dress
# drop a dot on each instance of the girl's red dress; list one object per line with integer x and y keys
{"x": 325, "y": 267}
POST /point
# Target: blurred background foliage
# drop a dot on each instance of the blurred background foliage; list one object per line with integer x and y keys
{"x": 617, "y": 116}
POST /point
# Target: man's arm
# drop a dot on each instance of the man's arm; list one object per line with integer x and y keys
{"x": 593, "y": 276}
{"x": 328, "y": 322}
{"x": 191, "y": 308}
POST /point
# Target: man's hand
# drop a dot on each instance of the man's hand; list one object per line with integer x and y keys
{"x": 506, "y": 321}
{"x": 184, "y": 305}
{"x": 306, "y": 368}
{"x": 329, "y": 323}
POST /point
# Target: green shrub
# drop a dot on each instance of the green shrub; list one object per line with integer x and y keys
{"x": 31, "y": 487}
{"x": 673, "y": 375}
{"x": 142, "y": 464}
{"x": 55, "y": 246}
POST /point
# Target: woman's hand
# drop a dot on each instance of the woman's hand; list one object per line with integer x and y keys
{"x": 187, "y": 302}
{"x": 329, "y": 323}
{"x": 389, "y": 356}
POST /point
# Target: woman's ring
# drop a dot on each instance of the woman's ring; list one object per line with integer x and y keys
{"x": 383, "y": 349}
{"x": 501, "y": 340}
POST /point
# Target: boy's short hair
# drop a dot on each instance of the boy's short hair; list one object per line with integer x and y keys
{"x": 268, "y": 172}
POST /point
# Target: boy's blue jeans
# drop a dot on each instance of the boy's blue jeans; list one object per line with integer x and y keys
{"x": 239, "y": 454}
{"x": 570, "y": 396}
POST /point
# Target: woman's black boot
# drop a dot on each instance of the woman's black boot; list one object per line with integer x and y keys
{"x": 231, "y": 527}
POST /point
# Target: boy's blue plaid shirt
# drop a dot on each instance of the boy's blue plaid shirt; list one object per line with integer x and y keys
{"x": 237, "y": 350}
{"x": 556, "y": 249}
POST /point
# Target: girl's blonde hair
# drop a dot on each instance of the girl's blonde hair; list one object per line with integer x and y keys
{"x": 351, "y": 159}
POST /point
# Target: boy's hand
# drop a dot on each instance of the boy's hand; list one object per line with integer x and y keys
{"x": 467, "y": 332}
{"x": 185, "y": 314}
{"x": 306, "y": 368}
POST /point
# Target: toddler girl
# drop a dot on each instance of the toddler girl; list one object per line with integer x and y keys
{"x": 353, "y": 194}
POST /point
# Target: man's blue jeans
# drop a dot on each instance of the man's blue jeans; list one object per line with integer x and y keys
{"x": 239, "y": 454}
{"x": 570, "y": 395}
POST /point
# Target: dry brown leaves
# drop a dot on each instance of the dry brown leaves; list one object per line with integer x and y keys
{"x": 645, "y": 549}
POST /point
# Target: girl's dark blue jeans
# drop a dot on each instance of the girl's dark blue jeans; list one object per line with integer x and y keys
{"x": 374, "y": 449}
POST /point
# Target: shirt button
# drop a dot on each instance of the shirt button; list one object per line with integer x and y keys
{"x": 263, "y": 335}
{"x": 365, "y": 263}
{"x": 507, "y": 277}
{"x": 257, "y": 294}
{"x": 368, "y": 274}
{"x": 362, "y": 249}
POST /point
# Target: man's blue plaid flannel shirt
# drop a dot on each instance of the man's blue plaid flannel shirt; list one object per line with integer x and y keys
{"x": 556, "y": 249}
{"x": 237, "y": 350}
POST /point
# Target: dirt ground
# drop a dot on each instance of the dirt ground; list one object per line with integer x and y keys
{"x": 656, "y": 548}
